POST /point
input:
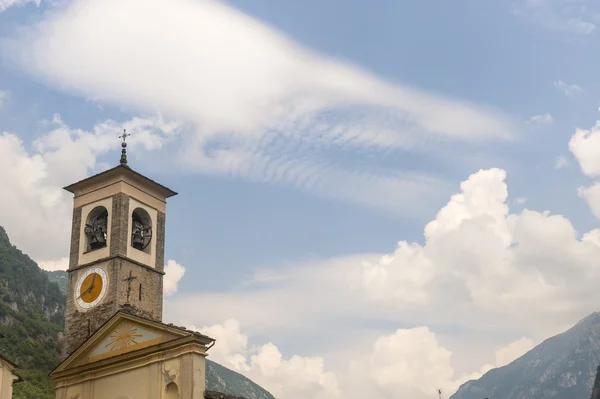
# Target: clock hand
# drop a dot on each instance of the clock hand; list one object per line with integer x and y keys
{"x": 85, "y": 292}
{"x": 90, "y": 288}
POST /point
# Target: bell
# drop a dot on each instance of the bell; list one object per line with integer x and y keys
{"x": 137, "y": 239}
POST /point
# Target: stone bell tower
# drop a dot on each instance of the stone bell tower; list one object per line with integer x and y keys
{"x": 117, "y": 250}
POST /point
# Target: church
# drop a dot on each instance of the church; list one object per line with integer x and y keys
{"x": 116, "y": 345}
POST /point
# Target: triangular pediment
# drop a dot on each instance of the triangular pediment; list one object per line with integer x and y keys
{"x": 122, "y": 334}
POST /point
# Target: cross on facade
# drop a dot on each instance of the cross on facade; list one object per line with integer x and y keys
{"x": 129, "y": 280}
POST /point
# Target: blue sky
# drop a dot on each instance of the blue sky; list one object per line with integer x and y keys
{"x": 311, "y": 137}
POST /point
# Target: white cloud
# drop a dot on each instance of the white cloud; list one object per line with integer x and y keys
{"x": 33, "y": 180}
{"x": 480, "y": 268}
{"x": 6, "y": 4}
{"x": 53, "y": 265}
{"x": 409, "y": 363}
{"x": 585, "y": 146}
{"x": 3, "y": 96}
{"x": 405, "y": 363}
{"x": 569, "y": 89}
{"x": 262, "y": 107}
{"x": 541, "y": 119}
{"x": 173, "y": 273}
{"x": 513, "y": 351}
{"x": 557, "y": 15}
{"x": 591, "y": 195}
{"x": 520, "y": 200}
{"x": 562, "y": 162}
{"x": 295, "y": 378}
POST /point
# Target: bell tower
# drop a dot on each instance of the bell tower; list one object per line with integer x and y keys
{"x": 117, "y": 249}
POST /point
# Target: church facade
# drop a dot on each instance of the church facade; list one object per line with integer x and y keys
{"x": 117, "y": 346}
{"x": 8, "y": 377}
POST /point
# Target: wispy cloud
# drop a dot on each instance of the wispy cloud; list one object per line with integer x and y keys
{"x": 261, "y": 106}
{"x": 570, "y": 16}
{"x": 3, "y": 96}
{"x": 541, "y": 119}
{"x": 570, "y": 90}
{"x": 562, "y": 162}
{"x": 6, "y": 4}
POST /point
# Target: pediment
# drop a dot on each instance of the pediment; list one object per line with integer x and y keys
{"x": 122, "y": 334}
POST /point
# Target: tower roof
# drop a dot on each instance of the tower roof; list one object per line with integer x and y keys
{"x": 119, "y": 172}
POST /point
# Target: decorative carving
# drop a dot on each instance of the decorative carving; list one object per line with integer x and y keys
{"x": 123, "y": 337}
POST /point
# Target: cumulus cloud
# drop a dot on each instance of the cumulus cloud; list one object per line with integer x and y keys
{"x": 513, "y": 351}
{"x": 479, "y": 265}
{"x": 569, "y": 90}
{"x": 173, "y": 274}
{"x": 262, "y": 107}
{"x": 405, "y": 363}
{"x": 33, "y": 180}
{"x": 585, "y": 146}
{"x": 298, "y": 377}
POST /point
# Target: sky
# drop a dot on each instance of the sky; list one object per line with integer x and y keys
{"x": 376, "y": 198}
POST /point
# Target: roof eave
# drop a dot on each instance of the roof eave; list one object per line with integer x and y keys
{"x": 167, "y": 192}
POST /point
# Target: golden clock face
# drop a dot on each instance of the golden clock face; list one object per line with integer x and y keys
{"x": 91, "y": 287}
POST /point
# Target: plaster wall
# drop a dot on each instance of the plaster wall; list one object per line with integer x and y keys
{"x": 121, "y": 186}
{"x": 7, "y": 378}
{"x": 144, "y": 380}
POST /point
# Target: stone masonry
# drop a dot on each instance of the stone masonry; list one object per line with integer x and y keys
{"x": 75, "y": 231}
{"x": 119, "y": 224}
{"x": 145, "y": 297}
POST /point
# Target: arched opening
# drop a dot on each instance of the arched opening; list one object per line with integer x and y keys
{"x": 171, "y": 391}
{"x": 96, "y": 228}
{"x": 141, "y": 230}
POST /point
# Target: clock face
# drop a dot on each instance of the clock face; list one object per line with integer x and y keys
{"x": 91, "y": 287}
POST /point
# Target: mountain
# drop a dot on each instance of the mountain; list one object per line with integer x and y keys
{"x": 596, "y": 387}
{"x": 561, "y": 367}
{"x": 59, "y": 277}
{"x": 221, "y": 379}
{"x": 32, "y": 321}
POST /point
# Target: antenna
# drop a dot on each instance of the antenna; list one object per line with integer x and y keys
{"x": 439, "y": 393}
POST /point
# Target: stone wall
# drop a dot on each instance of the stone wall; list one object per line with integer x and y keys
{"x": 119, "y": 225}
{"x": 80, "y": 324}
{"x": 160, "y": 241}
{"x": 75, "y": 232}
{"x": 149, "y": 281}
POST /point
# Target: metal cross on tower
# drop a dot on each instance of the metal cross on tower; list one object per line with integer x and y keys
{"x": 124, "y": 147}
{"x": 129, "y": 280}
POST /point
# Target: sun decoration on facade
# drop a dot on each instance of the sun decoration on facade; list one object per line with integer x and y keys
{"x": 123, "y": 337}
